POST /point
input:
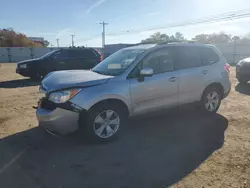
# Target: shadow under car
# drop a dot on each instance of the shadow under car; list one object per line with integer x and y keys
{"x": 18, "y": 83}
{"x": 152, "y": 152}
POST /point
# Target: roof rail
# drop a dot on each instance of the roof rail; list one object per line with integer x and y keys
{"x": 180, "y": 41}
{"x": 143, "y": 43}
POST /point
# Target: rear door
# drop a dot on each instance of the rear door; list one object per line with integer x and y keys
{"x": 191, "y": 72}
{"x": 84, "y": 58}
{"x": 61, "y": 60}
{"x": 210, "y": 61}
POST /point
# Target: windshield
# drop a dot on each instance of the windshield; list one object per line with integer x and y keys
{"x": 48, "y": 54}
{"x": 118, "y": 62}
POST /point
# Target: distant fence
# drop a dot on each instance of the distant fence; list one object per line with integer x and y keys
{"x": 232, "y": 52}
{"x": 16, "y": 54}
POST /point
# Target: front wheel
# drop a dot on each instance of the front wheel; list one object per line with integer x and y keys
{"x": 211, "y": 100}
{"x": 36, "y": 77}
{"x": 103, "y": 122}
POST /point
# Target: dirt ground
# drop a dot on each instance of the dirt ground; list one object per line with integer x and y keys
{"x": 181, "y": 148}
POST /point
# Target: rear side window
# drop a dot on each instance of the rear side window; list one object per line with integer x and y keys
{"x": 89, "y": 53}
{"x": 79, "y": 53}
{"x": 187, "y": 57}
{"x": 209, "y": 56}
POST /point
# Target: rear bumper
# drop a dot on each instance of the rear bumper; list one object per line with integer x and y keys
{"x": 59, "y": 120}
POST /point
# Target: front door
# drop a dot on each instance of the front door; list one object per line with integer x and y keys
{"x": 158, "y": 91}
{"x": 61, "y": 60}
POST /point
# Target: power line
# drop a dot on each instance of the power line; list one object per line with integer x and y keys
{"x": 217, "y": 18}
{"x": 239, "y": 14}
{"x": 103, "y": 35}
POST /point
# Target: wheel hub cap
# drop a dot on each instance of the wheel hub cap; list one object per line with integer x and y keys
{"x": 212, "y": 101}
{"x": 106, "y": 123}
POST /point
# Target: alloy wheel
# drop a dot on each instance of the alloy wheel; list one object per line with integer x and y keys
{"x": 106, "y": 123}
{"x": 212, "y": 101}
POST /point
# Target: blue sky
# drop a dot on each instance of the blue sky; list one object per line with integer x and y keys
{"x": 59, "y": 19}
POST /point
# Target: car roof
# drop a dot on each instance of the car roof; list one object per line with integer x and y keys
{"x": 78, "y": 48}
{"x": 160, "y": 45}
{"x": 142, "y": 46}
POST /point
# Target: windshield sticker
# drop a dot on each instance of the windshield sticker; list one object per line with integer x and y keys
{"x": 114, "y": 66}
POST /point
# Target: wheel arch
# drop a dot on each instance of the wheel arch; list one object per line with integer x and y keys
{"x": 114, "y": 101}
{"x": 216, "y": 85}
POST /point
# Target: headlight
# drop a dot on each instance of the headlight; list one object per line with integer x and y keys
{"x": 63, "y": 96}
{"x": 23, "y": 66}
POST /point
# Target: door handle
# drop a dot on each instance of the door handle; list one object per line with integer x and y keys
{"x": 204, "y": 72}
{"x": 172, "y": 79}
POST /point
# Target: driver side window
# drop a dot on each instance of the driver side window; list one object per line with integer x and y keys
{"x": 57, "y": 55}
{"x": 160, "y": 61}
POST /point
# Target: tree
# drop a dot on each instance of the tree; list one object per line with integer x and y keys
{"x": 201, "y": 38}
{"x": 9, "y": 38}
{"x": 158, "y": 38}
{"x": 45, "y": 43}
{"x": 179, "y": 36}
{"x": 213, "y": 38}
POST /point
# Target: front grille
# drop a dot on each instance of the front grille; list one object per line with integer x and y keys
{"x": 46, "y": 104}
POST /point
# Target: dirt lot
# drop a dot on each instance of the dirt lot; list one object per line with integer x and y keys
{"x": 181, "y": 148}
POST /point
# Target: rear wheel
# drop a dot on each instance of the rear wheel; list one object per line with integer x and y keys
{"x": 39, "y": 75}
{"x": 103, "y": 122}
{"x": 211, "y": 100}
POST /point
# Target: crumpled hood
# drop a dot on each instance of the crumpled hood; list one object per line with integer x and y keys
{"x": 72, "y": 78}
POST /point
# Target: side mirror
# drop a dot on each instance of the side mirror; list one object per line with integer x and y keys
{"x": 145, "y": 72}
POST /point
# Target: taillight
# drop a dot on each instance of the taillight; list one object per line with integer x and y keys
{"x": 101, "y": 58}
{"x": 227, "y": 67}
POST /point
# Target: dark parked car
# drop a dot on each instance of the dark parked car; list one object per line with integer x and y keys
{"x": 243, "y": 71}
{"x": 61, "y": 59}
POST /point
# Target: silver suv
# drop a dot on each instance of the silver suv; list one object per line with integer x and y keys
{"x": 136, "y": 80}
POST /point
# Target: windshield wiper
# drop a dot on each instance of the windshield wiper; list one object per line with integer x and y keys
{"x": 99, "y": 72}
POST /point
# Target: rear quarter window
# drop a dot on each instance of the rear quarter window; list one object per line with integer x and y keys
{"x": 81, "y": 53}
{"x": 209, "y": 56}
{"x": 89, "y": 53}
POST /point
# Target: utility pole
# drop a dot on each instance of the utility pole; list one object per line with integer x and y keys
{"x": 72, "y": 40}
{"x": 103, "y": 36}
{"x": 57, "y": 41}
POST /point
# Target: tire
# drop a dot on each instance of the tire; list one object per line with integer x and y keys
{"x": 102, "y": 123}
{"x": 36, "y": 77}
{"x": 211, "y": 100}
{"x": 243, "y": 80}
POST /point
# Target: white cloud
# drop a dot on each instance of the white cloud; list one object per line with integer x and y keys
{"x": 95, "y": 5}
